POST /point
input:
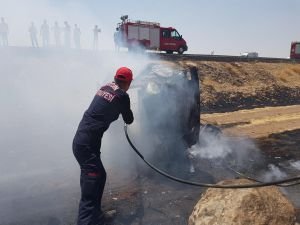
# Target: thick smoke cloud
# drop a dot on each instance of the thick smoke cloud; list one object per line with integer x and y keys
{"x": 296, "y": 165}
{"x": 43, "y": 96}
{"x": 226, "y": 151}
{"x": 273, "y": 173}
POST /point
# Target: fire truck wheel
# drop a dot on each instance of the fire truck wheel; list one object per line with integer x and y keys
{"x": 169, "y": 52}
{"x": 180, "y": 50}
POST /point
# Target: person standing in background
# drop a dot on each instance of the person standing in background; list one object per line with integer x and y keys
{"x": 96, "y": 31}
{"x": 33, "y": 35}
{"x": 4, "y": 32}
{"x": 45, "y": 33}
{"x": 117, "y": 39}
{"x": 57, "y": 32}
{"x": 67, "y": 35}
{"x": 76, "y": 36}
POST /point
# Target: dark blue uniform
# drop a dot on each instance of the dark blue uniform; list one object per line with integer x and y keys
{"x": 109, "y": 102}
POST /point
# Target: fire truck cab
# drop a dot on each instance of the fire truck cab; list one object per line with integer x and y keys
{"x": 148, "y": 35}
{"x": 295, "y": 50}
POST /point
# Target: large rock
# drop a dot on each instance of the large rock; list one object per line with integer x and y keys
{"x": 251, "y": 206}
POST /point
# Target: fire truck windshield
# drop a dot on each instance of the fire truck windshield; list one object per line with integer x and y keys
{"x": 175, "y": 34}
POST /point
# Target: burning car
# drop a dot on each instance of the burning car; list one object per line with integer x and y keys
{"x": 169, "y": 114}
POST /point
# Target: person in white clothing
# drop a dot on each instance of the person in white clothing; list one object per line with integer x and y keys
{"x": 57, "y": 33}
{"x": 33, "y": 35}
{"x": 45, "y": 34}
{"x": 96, "y": 31}
{"x": 76, "y": 36}
{"x": 3, "y": 33}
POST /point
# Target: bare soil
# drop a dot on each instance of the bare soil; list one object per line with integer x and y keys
{"x": 232, "y": 86}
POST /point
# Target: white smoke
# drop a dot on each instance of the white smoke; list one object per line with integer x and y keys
{"x": 43, "y": 96}
{"x": 296, "y": 165}
{"x": 216, "y": 146}
{"x": 273, "y": 173}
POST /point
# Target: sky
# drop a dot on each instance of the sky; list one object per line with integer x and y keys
{"x": 226, "y": 27}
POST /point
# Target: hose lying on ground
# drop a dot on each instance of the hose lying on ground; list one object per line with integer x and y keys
{"x": 253, "y": 185}
{"x": 253, "y": 179}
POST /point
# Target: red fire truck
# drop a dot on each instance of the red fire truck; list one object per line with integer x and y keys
{"x": 148, "y": 35}
{"x": 295, "y": 50}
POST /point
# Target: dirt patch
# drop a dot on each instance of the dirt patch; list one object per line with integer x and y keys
{"x": 258, "y": 122}
{"x": 235, "y": 100}
{"x": 281, "y": 145}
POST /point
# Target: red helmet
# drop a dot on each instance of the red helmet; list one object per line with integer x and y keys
{"x": 124, "y": 74}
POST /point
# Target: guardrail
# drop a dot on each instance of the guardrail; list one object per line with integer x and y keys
{"x": 224, "y": 58}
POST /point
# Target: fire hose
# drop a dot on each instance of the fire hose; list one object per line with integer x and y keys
{"x": 256, "y": 180}
{"x": 282, "y": 182}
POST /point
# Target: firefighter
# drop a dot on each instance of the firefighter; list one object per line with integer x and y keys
{"x": 110, "y": 101}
